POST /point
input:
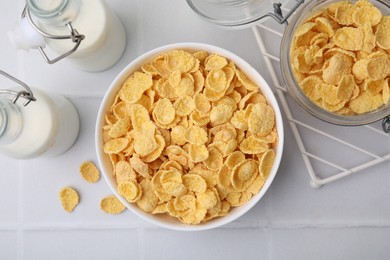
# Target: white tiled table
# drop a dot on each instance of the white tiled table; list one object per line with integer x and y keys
{"x": 349, "y": 219}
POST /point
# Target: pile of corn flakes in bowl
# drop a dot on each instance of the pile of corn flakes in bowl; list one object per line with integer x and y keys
{"x": 335, "y": 60}
{"x": 189, "y": 136}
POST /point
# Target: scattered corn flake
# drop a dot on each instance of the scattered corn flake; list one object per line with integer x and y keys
{"x": 69, "y": 198}
{"x": 89, "y": 172}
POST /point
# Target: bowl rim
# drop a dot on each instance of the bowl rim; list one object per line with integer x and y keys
{"x": 293, "y": 87}
{"x": 134, "y": 65}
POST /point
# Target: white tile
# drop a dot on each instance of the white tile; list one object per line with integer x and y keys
{"x": 9, "y": 190}
{"x": 80, "y": 244}
{"x": 9, "y": 55}
{"x": 8, "y": 245}
{"x": 345, "y": 243}
{"x": 213, "y": 244}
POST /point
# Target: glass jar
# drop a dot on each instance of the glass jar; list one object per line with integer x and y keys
{"x": 86, "y": 32}
{"x": 45, "y": 127}
{"x": 236, "y": 14}
{"x": 292, "y": 85}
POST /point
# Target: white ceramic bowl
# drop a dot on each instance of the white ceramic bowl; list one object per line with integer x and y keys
{"x": 104, "y": 161}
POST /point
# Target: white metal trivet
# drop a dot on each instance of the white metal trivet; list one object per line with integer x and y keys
{"x": 314, "y": 157}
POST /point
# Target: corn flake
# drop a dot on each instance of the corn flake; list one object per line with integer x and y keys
{"x": 135, "y": 86}
{"x": 215, "y": 62}
{"x": 89, "y": 172}
{"x": 382, "y": 33}
{"x": 112, "y": 205}
{"x": 261, "y": 119}
{"x": 179, "y": 60}
{"x": 130, "y": 190}
{"x": 69, "y": 198}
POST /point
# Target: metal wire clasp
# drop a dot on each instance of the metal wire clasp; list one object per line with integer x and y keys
{"x": 74, "y": 36}
{"x": 277, "y": 15}
{"x": 27, "y": 94}
{"x": 386, "y": 124}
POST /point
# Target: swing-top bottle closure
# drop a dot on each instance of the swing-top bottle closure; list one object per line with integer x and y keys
{"x": 26, "y": 93}
{"x": 29, "y": 35}
{"x": 74, "y": 36}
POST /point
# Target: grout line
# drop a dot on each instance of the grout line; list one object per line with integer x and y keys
{"x": 20, "y": 232}
{"x": 234, "y": 225}
{"x": 19, "y": 228}
{"x": 9, "y": 227}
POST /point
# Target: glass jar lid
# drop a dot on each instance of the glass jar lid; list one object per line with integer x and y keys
{"x": 233, "y": 13}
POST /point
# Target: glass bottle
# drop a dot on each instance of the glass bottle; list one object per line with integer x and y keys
{"x": 46, "y": 127}
{"x": 101, "y": 36}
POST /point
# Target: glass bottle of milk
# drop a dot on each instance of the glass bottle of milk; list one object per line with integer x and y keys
{"x": 46, "y": 127}
{"x": 104, "y": 38}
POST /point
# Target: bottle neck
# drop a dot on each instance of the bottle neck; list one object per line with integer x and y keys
{"x": 11, "y": 121}
{"x": 54, "y": 12}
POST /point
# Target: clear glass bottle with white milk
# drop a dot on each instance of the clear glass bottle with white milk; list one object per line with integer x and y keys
{"x": 95, "y": 40}
{"x": 46, "y": 125}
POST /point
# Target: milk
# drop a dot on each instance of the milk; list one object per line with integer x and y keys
{"x": 49, "y": 127}
{"x": 105, "y": 37}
